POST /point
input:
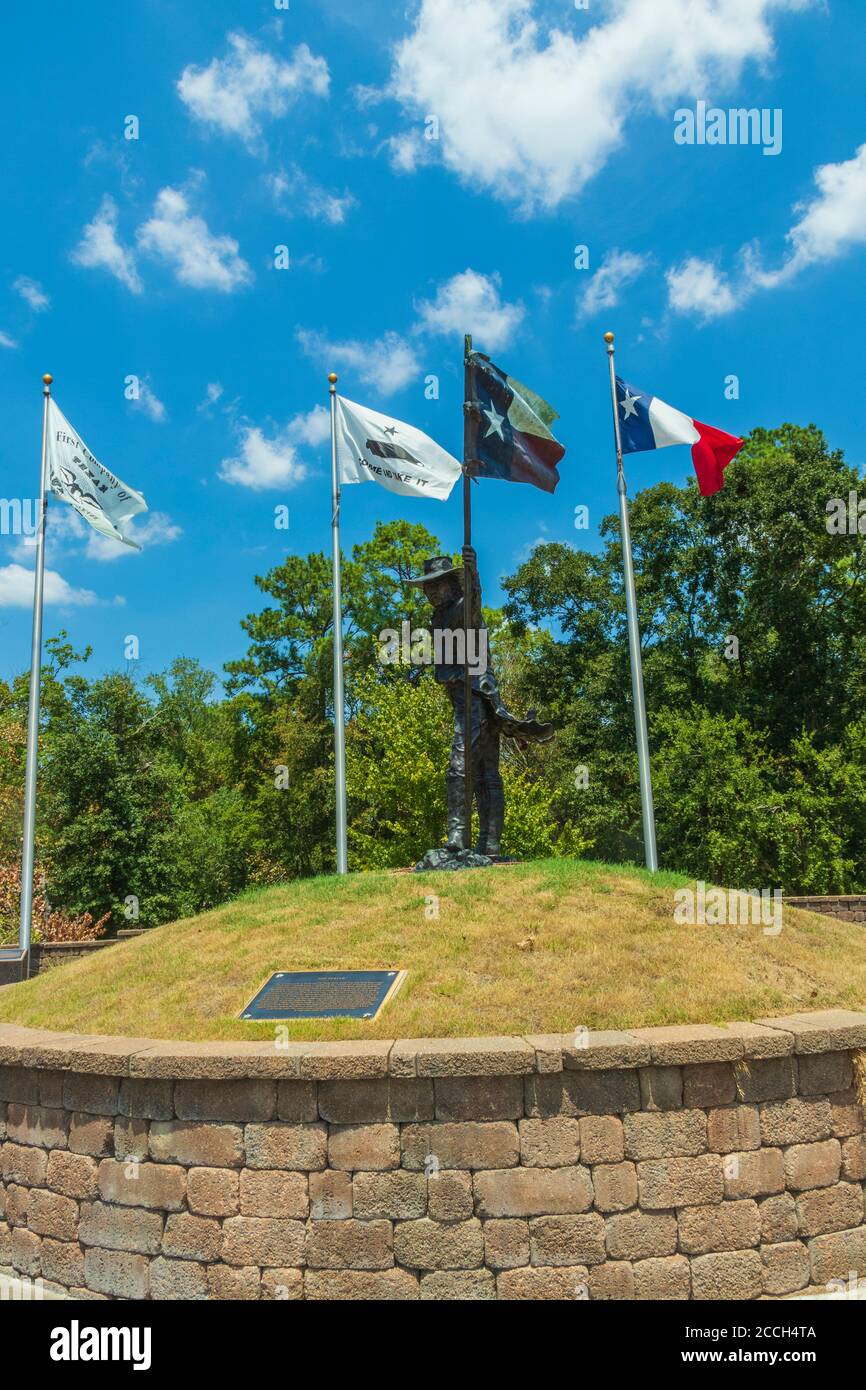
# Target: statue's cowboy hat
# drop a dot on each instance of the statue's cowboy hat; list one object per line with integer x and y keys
{"x": 437, "y": 567}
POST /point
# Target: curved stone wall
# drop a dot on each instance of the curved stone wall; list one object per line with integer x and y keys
{"x": 663, "y": 1163}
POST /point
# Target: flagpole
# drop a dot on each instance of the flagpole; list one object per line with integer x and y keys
{"x": 28, "y": 852}
{"x": 637, "y": 690}
{"x": 339, "y": 687}
{"x": 468, "y": 595}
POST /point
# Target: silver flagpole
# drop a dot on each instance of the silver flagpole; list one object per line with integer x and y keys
{"x": 339, "y": 689}
{"x": 28, "y": 849}
{"x": 643, "y": 759}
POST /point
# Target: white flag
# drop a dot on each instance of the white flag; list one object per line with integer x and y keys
{"x": 78, "y": 478}
{"x": 374, "y": 447}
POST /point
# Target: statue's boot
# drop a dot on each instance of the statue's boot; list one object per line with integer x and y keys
{"x": 491, "y": 816}
{"x": 456, "y": 795}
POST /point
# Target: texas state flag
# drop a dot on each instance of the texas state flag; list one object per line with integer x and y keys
{"x": 645, "y": 422}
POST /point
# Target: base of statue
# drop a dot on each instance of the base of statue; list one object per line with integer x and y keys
{"x": 454, "y": 859}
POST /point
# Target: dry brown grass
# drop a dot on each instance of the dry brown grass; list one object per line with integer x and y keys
{"x": 539, "y": 947}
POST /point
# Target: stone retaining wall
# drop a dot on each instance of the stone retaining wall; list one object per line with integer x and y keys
{"x": 846, "y": 907}
{"x": 663, "y": 1163}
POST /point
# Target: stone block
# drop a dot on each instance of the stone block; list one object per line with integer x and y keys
{"x": 615, "y": 1186}
{"x": 640, "y": 1235}
{"x": 49, "y": 1214}
{"x": 735, "y": 1274}
{"x": 188, "y": 1237}
{"x": 567, "y": 1240}
{"x": 300, "y": 1147}
{"x": 159, "y": 1186}
{"x": 196, "y": 1144}
{"x": 349, "y": 1245}
{"x": 661, "y": 1088}
{"x": 130, "y": 1229}
{"x": 391, "y": 1196}
{"x": 116, "y": 1273}
{"x": 755, "y": 1173}
{"x": 426, "y": 1244}
{"x": 213, "y": 1191}
{"x": 680, "y": 1182}
{"x": 533, "y": 1192}
{"x": 459, "y": 1285}
{"x": 825, "y": 1209}
{"x": 708, "y": 1084}
{"x": 268, "y": 1192}
{"x": 733, "y": 1128}
{"x": 478, "y": 1098}
{"x": 330, "y": 1195}
{"x": 551, "y": 1143}
{"x": 402, "y": 1101}
{"x": 813, "y": 1165}
{"x": 734, "y": 1225}
{"x": 664, "y": 1279}
{"x": 602, "y": 1139}
{"x": 772, "y": 1079}
{"x": 656, "y": 1134}
{"x": 240, "y": 1100}
{"x": 506, "y": 1244}
{"x": 263, "y": 1241}
{"x": 549, "y": 1284}
{"x": 364, "y": 1148}
{"x": 178, "y": 1280}
{"x": 450, "y": 1195}
{"x": 785, "y": 1268}
{"x": 470, "y": 1145}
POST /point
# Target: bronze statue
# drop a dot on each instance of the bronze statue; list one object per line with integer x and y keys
{"x": 456, "y": 641}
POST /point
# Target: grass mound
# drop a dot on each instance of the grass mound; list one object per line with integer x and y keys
{"x": 545, "y": 946}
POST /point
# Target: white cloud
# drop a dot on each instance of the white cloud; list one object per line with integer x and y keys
{"x": 264, "y": 462}
{"x": 6, "y": 341}
{"x": 212, "y": 395}
{"x": 100, "y": 248}
{"x": 154, "y": 529}
{"x": 32, "y": 291}
{"x": 618, "y": 270}
{"x": 548, "y": 108}
{"x": 830, "y": 224}
{"x": 387, "y": 364}
{"x": 471, "y": 303}
{"x": 148, "y": 402}
{"x": 236, "y": 92}
{"x": 698, "y": 287}
{"x": 16, "y": 589}
{"x": 294, "y": 191}
{"x": 185, "y": 242}
{"x": 313, "y": 428}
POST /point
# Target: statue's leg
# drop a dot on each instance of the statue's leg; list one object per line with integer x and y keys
{"x": 455, "y": 781}
{"x": 491, "y": 795}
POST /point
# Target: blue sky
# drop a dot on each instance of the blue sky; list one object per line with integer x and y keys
{"x": 306, "y": 127}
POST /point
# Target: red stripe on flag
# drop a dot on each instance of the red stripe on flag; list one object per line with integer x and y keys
{"x": 711, "y": 455}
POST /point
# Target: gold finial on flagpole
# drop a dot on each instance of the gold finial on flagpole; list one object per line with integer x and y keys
{"x": 608, "y": 337}
{"x": 332, "y": 378}
{"x": 48, "y": 378}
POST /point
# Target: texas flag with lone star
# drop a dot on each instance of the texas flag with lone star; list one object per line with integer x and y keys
{"x": 509, "y": 429}
{"x": 645, "y": 422}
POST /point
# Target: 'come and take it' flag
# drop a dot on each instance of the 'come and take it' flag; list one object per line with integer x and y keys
{"x": 645, "y": 422}
{"x": 509, "y": 432}
{"x": 76, "y": 477}
{"x": 373, "y": 447}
